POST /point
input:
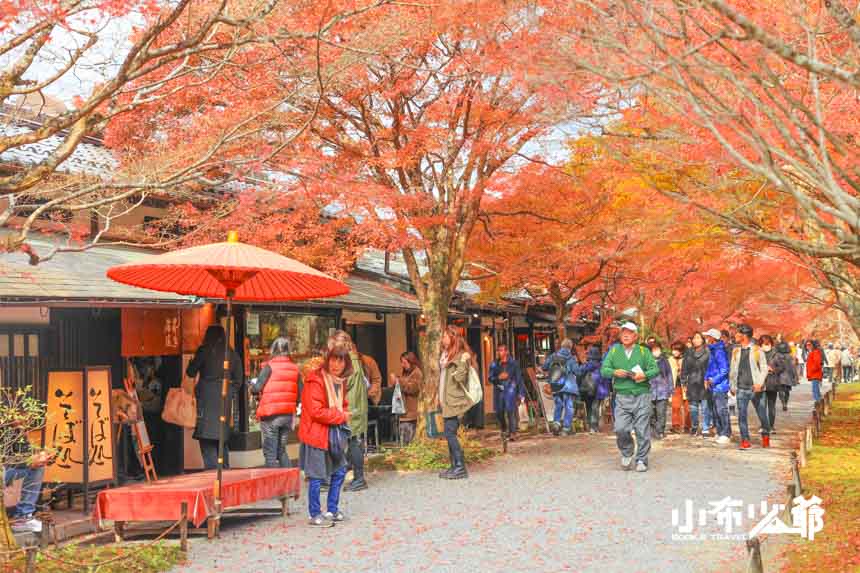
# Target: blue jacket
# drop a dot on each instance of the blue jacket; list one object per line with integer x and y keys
{"x": 506, "y": 393}
{"x": 571, "y": 370}
{"x": 662, "y": 385}
{"x": 718, "y": 368}
{"x": 592, "y": 364}
{"x": 605, "y": 388}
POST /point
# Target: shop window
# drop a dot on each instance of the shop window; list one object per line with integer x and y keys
{"x": 307, "y": 334}
{"x": 4, "y": 345}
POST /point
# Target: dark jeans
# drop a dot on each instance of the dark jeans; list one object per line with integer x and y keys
{"x": 275, "y": 431}
{"x": 455, "y": 450}
{"x": 744, "y": 398}
{"x": 633, "y": 413}
{"x": 721, "y": 414}
{"x": 407, "y": 432}
{"x": 697, "y": 408}
{"x": 508, "y": 421}
{"x": 209, "y": 452}
{"x": 770, "y": 406}
{"x": 31, "y": 487}
{"x": 592, "y": 413}
{"x": 356, "y": 458}
{"x": 333, "y": 499}
{"x": 658, "y": 418}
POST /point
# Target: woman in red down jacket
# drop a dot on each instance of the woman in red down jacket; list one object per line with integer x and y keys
{"x": 324, "y": 404}
{"x": 278, "y": 388}
{"x": 814, "y": 367}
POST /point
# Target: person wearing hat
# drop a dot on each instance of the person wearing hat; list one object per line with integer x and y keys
{"x": 631, "y": 366}
{"x": 747, "y": 375}
{"x": 717, "y": 383}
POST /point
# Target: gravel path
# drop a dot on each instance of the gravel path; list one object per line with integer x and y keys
{"x": 550, "y": 504}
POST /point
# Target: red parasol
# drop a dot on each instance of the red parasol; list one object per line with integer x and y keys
{"x": 234, "y": 271}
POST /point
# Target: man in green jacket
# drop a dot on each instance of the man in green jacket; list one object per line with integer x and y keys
{"x": 631, "y": 366}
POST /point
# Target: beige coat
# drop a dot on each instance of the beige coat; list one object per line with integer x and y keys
{"x": 758, "y": 366}
{"x": 454, "y": 400}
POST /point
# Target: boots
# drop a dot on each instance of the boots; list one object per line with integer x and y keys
{"x": 459, "y": 469}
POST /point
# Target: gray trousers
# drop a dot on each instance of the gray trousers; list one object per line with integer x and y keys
{"x": 633, "y": 413}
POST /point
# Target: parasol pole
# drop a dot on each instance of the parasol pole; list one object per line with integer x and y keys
{"x": 225, "y": 385}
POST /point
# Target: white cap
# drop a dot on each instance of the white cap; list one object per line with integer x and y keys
{"x": 714, "y": 333}
{"x": 630, "y": 326}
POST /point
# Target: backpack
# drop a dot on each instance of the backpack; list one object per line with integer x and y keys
{"x": 557, "y": 371}
{"x": 588, "y": 384}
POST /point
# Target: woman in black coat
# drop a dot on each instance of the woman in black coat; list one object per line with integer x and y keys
{"x": 208, "y": 361}
{"x": 776, "y": 364}
{"x": 693, "y": 378}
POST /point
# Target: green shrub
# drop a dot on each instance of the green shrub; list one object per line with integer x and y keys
{"x": 429, "y": 454}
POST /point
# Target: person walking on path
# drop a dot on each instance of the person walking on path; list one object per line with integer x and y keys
{"x": 592, "y": 389}
{"x": 847, "y": 363}
{"x": 693, "y": 379}
{"x": 788, "y": 376}
{"x": 325, "y": 404}
{"x": 277, "y": 386}
{"x": 563, "y": 368}
{"x": 747, "y": 374}
{"x": 454, "y": 401}
{"x": 631, "y": 367}
{"x": 772, "y": 384}
{"x": 834, "y": 358}
{"x": 680, "y": 406}
{"x": 208, "y": 362}
{"x": 814, "y": 367}
{"x": 717, "y": 383}
{"x": 508, "y": 390}
{"x": 662, "y": 386}
{"x": 410, "y": 386}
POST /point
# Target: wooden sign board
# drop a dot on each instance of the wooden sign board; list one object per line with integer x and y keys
{"x": 79, "y": 421}
{"x": 150, "y": 332}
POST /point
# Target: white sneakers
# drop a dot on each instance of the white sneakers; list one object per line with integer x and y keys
{"x": 27, "y": 525}
{"x": 626, "y": 463}
{"x": 723, "y": 440}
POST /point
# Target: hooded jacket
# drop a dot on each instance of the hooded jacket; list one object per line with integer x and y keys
{"x": 718, "y": 368}
{"x": 571, "y": 370}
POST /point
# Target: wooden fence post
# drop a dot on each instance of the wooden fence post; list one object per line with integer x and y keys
{"x": 808, "y": 439}
{"x": 795, "y": 474}
{"x": 816, "y": 423}
{"x": 183, "y": 527}
{"x": 30, "y": 564}
{"x": 802, "y": 439}
{"x": 754, "y": 550}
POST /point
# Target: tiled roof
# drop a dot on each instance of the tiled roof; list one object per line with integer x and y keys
{"x": 74, "y": 277}
{"x": 81, "y": 277}
{"x": 87, "y": 158}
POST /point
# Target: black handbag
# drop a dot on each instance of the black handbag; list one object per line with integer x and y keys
{"x": 338, "y": 440}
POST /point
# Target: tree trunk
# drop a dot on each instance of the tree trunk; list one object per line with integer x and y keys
{"x": 560, "y": 327}
{"x": 430, "y": 351}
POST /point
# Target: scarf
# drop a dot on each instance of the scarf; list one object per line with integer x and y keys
{"x": 334, "y": 388}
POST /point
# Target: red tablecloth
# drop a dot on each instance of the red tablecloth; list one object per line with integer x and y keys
{"x": 161, "y": 501}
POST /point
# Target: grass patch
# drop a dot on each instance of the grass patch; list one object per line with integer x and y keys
{"x": 429, "y": 454}
{"x": 86, "y": 558}
{"x": 833, "y": 474}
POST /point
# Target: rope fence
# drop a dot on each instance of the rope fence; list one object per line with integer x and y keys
{"x": 32, "y": 552}
{"x": 798, "y": 459}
